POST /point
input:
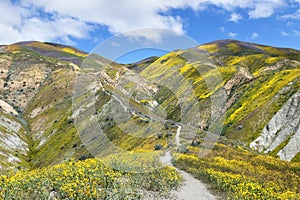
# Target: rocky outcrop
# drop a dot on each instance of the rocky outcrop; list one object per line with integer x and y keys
{"x": 283, "y": 129}
{"x": 242, "y": 75}
{"x": 13, "y": 147}
{"x": 8, "y": 109}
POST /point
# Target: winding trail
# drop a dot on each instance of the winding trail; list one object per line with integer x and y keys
{"x": 177, "y": 135}
{"x": 192, "y": 188}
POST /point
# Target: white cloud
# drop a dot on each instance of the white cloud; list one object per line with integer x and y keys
{"x": 293, "y": 33}
{"x": 265, "y": 9}
{"x": 115, "y": 44}
{"x": 58, "y": 28}
{"x": 232, "y": 35}
{"x": 222, "y": 29}
{"x": 254, "y": 35}
{"x": 72, "y": 19}
{"x": 235, "y": 17}
{"x": 296, "y": 33}
{"x": 22, "y": 23}
{"x": 295, "y": 15}
{"x": 284, "y": 33}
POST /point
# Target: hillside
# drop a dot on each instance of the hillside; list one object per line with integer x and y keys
{"x": 259, "y": 86}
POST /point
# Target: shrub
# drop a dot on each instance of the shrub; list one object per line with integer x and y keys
{"x": 160, "y": 135}
{"x": 158, "y": 147}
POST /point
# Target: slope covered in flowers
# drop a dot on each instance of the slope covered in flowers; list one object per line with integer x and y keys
{"x": 240, "y": 174}
{"x": 89, "y": 179}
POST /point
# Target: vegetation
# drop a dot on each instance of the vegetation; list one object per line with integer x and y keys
{"x": 38, "y": 80}
{"x": 241, "y": 174}
{"x": 89, "y": 179}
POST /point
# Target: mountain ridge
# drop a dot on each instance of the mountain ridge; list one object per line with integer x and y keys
{"x": 228, "y": 41}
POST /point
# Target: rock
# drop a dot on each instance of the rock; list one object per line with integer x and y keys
{"x": 54, "y": 196}
{"x": 7, "y": 108}
{"x": 242, "y": 75}
{"x": 283, "y": 127}
{"x": 3, "y": 48}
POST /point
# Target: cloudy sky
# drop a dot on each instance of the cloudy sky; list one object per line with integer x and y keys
{"x": 86, "y": 23}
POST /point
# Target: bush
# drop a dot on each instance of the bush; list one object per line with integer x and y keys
{"x": 169, "y": 134}
{"x": 158, "y": 147}
{"x": 183, "y": 149}
{"x": 160, "y": 135}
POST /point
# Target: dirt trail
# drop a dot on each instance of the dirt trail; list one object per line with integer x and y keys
{"x": 192, "y": 189}
{"x": 177, "y": 135}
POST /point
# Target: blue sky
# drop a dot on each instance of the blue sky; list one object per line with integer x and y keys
{"x": 86, "y": 23}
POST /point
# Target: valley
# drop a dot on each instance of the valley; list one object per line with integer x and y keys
{"x": 227, "y": 111}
